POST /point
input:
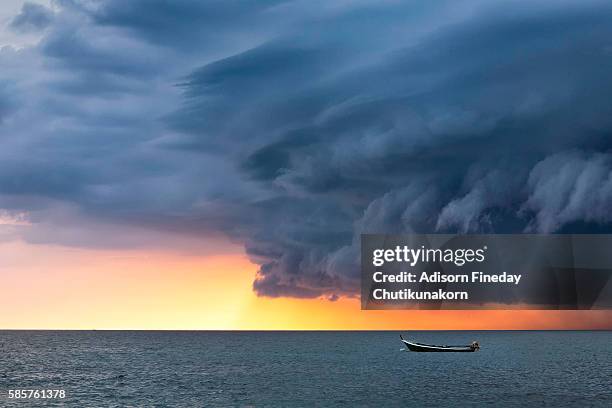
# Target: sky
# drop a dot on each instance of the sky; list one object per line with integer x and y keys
{"x": 211, "y": 165}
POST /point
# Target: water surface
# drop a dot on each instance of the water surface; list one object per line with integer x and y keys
{"x": 337, "y": 369}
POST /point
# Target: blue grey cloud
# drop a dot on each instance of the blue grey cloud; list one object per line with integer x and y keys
{"x": 293, "y": 127}
{"x": 570, "y": 187}
{"x": 33, "y": 17}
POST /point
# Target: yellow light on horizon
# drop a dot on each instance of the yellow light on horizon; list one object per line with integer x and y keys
{"x": 53, "y": 287}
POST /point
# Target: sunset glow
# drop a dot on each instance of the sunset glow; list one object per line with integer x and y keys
{"x": 69, "y": 288}
{"x": 215, "y": 165}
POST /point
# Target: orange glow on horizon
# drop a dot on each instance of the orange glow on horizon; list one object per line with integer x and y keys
{"x": 51, "y": 287}
{"x": 345, "y": 314}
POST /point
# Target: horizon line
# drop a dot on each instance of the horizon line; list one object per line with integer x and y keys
{"x": 311, "y": 330}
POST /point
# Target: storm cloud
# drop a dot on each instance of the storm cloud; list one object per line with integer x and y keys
{"x": 33, "y": 17}
{"x": 293, "y": 127}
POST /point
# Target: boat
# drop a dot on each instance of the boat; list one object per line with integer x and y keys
{"x": 431, "y": 348}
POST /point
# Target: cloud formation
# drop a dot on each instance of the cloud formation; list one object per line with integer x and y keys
{"x": 33, "y": 17}
{"x": 294, "y": 126}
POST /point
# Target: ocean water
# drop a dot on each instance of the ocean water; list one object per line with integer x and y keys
{"x": 295, "y": 369}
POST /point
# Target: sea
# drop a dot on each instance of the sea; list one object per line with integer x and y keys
{"x": 305, "y": 369}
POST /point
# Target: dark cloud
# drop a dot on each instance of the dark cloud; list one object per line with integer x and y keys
{"x": 186, "y": 23}
{"x": 293, "y": 127}
{"x": 33, "y": 17}
{"x": 442, "y": 135}
{"x": 569, "y": 187}
{"x": 81, "y": 51}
